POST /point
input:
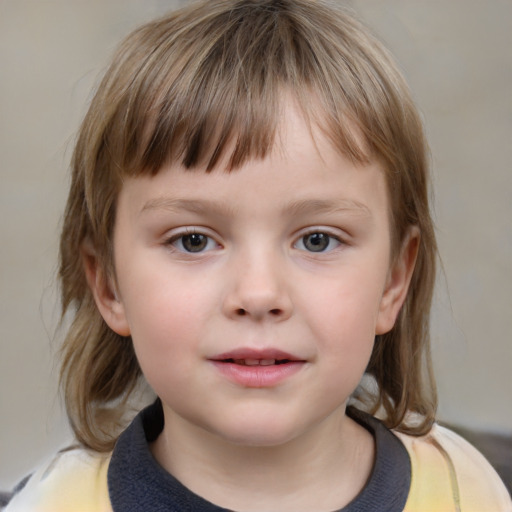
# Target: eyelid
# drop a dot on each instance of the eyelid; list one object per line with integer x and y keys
{"x": 178, "y": 233}
{"x": 332, "y": 233}
{"x": 336, "y": 233}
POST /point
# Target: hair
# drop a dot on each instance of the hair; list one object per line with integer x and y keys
{"x": 207, "y": 82}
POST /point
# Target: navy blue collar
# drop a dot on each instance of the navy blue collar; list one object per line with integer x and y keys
{"x": 137, "y": 482}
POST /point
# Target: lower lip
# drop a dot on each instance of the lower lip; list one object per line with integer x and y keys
{"x": 258, "y": 376}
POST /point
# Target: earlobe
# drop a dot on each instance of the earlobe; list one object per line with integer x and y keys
{"x": 398, "y": 280}
{"x": 103, "y": 289}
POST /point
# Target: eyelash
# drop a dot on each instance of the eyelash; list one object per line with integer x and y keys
{"x": 329, "y": 238}
{"x": 324, "y": 237}
{"x": 178, "y": 239}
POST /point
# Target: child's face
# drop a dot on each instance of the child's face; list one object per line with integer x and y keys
{"x": 220, "y": 276}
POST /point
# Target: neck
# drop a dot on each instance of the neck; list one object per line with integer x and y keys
{"x": 324, "y": 469}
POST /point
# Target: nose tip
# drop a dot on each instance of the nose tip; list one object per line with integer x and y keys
{"x": 258, "y": 292}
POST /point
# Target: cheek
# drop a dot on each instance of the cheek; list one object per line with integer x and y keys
{"x": 342, "y": 316}
{"x": 346, "y": 305}
{"x": 166, "y": 317}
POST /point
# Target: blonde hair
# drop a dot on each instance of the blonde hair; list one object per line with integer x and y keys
{"x": 205, "y": 82}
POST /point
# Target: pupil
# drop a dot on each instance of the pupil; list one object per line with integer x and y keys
{"x": 317, "y": 242}
{"x": 194, "y": 242}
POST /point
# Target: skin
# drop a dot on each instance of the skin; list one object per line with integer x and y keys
{"x": 258, "y": 282}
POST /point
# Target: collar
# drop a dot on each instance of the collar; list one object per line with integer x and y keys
{"x": 137, "y": 482}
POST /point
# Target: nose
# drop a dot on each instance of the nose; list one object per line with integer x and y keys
{"x": 258, "y": 288}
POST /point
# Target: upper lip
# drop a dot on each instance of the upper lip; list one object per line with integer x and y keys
{"x": 262, "y": 354}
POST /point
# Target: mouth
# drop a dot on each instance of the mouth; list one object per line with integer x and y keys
{"x": 251, "y": 357}
{"x": 255, "y": 362}
{"x": 258, "y": 368}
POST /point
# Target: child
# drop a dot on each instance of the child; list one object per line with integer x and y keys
{"x": 248, "y": 231}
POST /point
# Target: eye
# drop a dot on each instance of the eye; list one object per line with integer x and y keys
{"x": 193, "y": 242}
{"x": 318, "y": 241}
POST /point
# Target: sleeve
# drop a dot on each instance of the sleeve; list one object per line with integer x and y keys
{"x": 449, "y": 474}
{"x": 74, "y": 480}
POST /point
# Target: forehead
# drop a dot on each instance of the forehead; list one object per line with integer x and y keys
{"x": 303, "y": 173}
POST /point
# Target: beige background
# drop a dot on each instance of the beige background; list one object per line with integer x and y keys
{"x": 457, "y": 57}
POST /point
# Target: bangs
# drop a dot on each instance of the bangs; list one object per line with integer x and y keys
{"x": 197, "y": 87}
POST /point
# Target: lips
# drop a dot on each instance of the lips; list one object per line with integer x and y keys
{"x": 251, "y": 357}
{"x": 257, "y": 368}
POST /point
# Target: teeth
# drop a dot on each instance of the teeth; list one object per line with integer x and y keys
{"x": 255, "y": 362}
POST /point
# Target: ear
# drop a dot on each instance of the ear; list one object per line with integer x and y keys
{"x": 104, "y": 292}
{"x": 398, "y": 280}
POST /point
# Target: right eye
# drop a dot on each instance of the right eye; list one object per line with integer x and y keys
{"x": 193, "y": 242}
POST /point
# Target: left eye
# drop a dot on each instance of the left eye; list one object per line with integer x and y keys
{"x": 317, "y": 242}
{"x": 193, "y": 243}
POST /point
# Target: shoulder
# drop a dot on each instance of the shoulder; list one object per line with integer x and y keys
{"x": 446, "y": 469}
{"x": 72, "y": 480}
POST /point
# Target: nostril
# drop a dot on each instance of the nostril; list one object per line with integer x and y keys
{"x": 241, "y": 312}
{"x": 275, "y": 312}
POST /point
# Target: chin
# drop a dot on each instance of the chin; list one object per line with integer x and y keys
{"x": 258, "y": 439}
{"x": 258, "y": 433}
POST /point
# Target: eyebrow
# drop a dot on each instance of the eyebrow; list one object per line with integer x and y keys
{"x": 305, "y": 206}
{"x": 294, "y": 208}
{"x": 201, "y": 207}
